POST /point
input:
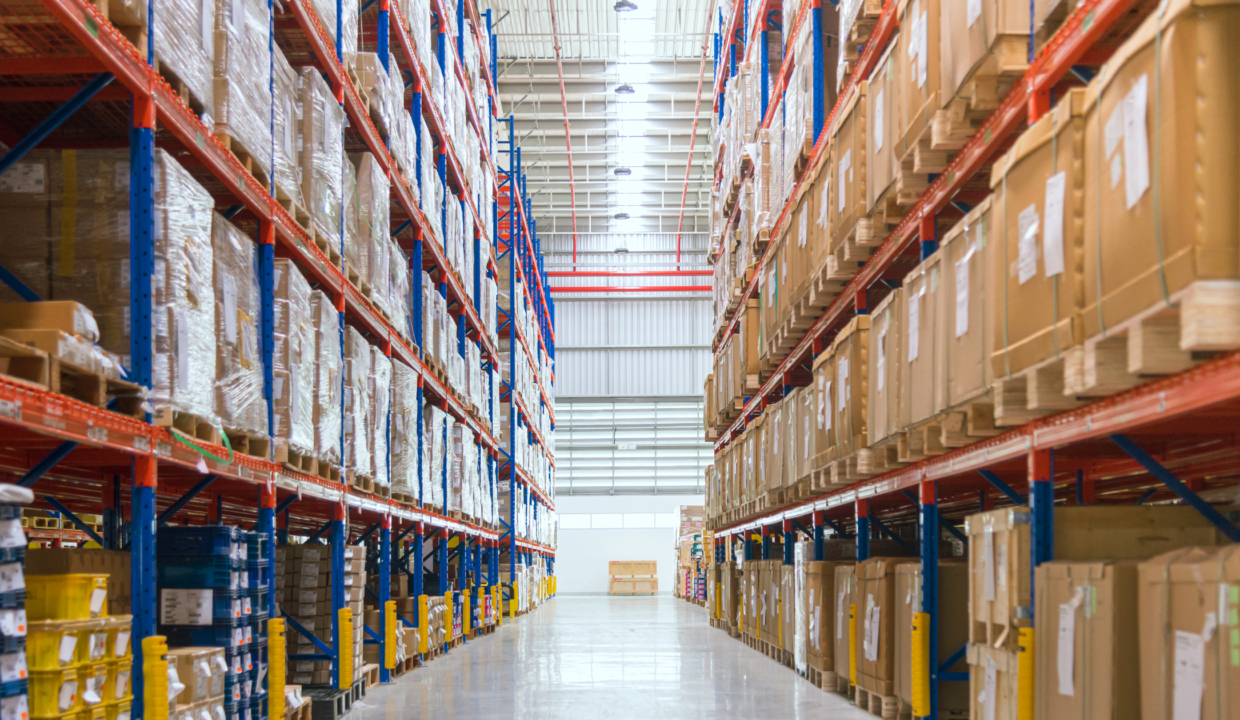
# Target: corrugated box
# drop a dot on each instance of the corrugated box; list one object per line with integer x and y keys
{"x": 848, "y": 174}
{"x": 923, "y": 370}
{"x": 850, "y": 357}
{"x": 823, "y": 616}
{"x": 953, "y": 625}
{"x": 967, "y": 251}
{"x": 993, "y": 680}
{"x": 876, "y": 624}
{"x": 846, "y": 642}
{"x": 885, "y": 362}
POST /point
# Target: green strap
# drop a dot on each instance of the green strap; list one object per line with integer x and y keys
{"x": 185, "y": 440}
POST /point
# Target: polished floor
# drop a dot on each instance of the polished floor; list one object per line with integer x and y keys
{"x": 597, "y": 657}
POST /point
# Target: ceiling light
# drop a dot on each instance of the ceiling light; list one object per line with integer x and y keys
{"x": 624, "y": 6}
{"x": 621, "y": 216}
{"x": 625, "y": 89}
{"x": 622, "y": 171}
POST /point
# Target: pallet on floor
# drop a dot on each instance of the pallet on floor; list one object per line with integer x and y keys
{"x": 884, "y": 706}
{"x": 370, "y": 673}
{"x": 301, "y": 712}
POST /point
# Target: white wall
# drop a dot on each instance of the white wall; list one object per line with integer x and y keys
{"x": 582, "y": 555}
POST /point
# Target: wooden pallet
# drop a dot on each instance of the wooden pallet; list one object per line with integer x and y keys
{"x": 370, "y": 673}
{"x": 32, "y": 366}
{"x": 353, "y": 275}
{"x": 1031, "y": 393}
{"x": 884, "y": 706}
{"x": 290, "y": 203}
{"x": 294, "y": 459}
{"x": 859, "y": 31}
{"x": 196, "y": 104}
{"x": 981, "y": 93}
{"x": 301, "y": 712}
{"x": 243, "y": 155}
{"x": 323, "y": 241}
{"x": 189, "y": 424}
{"x": 248, "y": 442}
{"x": 853, "y": 468}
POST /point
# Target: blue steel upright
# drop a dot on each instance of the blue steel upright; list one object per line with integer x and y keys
{"x": 863, "y": 530}
{"x": 1042, "y": 511}
{"x": 820, "y": 537}
{"x": 338, "y": 530}
{"x": 930, "y": 584}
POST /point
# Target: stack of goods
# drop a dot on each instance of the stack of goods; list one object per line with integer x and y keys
{"x": 322, "y": 158}
{"x": 359, "y": 462}
{"x": 437, "y": 428}
{"x": 379, "y": 388}
{"x": 208, "y": 614}
{"x": 406, "y": 484}
{"x": 242, "y": 89}
{"x": 292, "y": 381}
{"x": 304, "y": 586}
{"x": 327, "y": 355}
{"x": 14, "y": 639}
{"x": 239, "y": 401}
{"x": 1088, "y": 594}
{"x": 63, "y": 329}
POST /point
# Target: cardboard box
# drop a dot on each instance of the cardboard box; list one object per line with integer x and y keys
{"x": 968, "y": 251}
{"x": 200, "y": 671}
{"x": 850, "y": 357}
{"x": 953, "y": 626}
{"x": 876, "y": 624}
{"x": 1189, "y": 634}
{"x": 999, "y": 554}
{"x": 885, "y": 124}
{"x": 987, "y": 40}
{"x": 823, "y": 616}
{"x": 885, "y": 368}
{"x": 1038, "y": 305}
{"x": 63, "y": 315}
{"x": 1136, "y": 255}
{"x": 923, "y": 371}
{"x": 1092, "y": 606}
{"x": 848, "y": 172}
{"x": 63, "y": 561}
{"x": 824, "y": 405}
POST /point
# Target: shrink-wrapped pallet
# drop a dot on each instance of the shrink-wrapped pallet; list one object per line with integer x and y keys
{"x": 348, "y": 23}
{"x": 380, "y": 402}
{"x": 371, "y": 202}
{"x": 1037, "y": 272}
{"x": 356, "y": 250}
{"x": 242, "y": 79}
{"x": 239, "y": 400}
{"x": 1162, "y": 168}
{"x": 399, "y": 290}
{"x": 293, "y": 361}
{"x": 327, "y": 389}
{"x": 184, "y": 46}
{"x": 285, "y": 102}
{"x": 404, "y": 431}
{"x": 321, "y": 151}
{"x": 357, "y": 404}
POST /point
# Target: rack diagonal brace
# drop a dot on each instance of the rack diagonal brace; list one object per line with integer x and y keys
{"x": 74, "y": 519}
{"x": 19, "y": 287}
{"x": 48, "y": 126}
{"x": 301, "y": 629}
{"x": 184, "y": 500}
{"x": 286, "y": 502}
{"x": 366, "y": 534}
{"x": 882, "y": 527}
{"x": 1164, "y": 476}
{"x": 320, "y": 532}
{"x": 834, "y": 526}
{"x": 943, "y": 523}
{"x": 1003, "y": 487}
{"x": 45, "y": 465}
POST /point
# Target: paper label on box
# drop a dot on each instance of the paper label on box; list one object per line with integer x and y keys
{"x": 13, "y": 667}
{"x": 185, "y": 607}
{"x": 962, "y": 293}
{"x": 1136, "y": 148}
{"x": 11, "y": 534}
{"x": 824, "y": 202}
{"x": 23, "y": 178}
{"x": 988, "y": 561}
{"x": 1052, "y": 237}
{"x": 845, "y": 164}
{"x": 11, "y": 577}
{"x": 13, "y": 622}
{"x": 97, "y": 598}
{"x": 1027, "y": 262}
{"x": 67, "y": 695}
{"x": 914, "y": 325}
{"x": 973, "y": 10}
{"x": 826, "y": 407}
{"x": 803, "y": 228}
{"x": 878, "y": 120}
{"x": 989, "y": 687}
{"x": 98, "y": 645}
{"x": 923, "y": 53}
{"x": 1188, "y": 676}
{"x": 1066, "y": 649}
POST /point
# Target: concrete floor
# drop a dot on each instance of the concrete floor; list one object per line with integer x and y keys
{"x": 591, "y": 658}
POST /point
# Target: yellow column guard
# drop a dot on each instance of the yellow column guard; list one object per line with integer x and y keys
{"x": 344, "y": 634}
{"x": 155, "y": 677}
{"x": 921, "y": 664}
{"x": 424, "y": 623}
{"x": 275, "y": 667}
{"x": 389, "y": 635}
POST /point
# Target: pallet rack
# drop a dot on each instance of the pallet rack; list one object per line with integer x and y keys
{"x": 90, "y": 459}
{"x": 1134, "y": 446}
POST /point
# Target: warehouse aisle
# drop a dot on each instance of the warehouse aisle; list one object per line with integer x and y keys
{"x": 600, "y": 657}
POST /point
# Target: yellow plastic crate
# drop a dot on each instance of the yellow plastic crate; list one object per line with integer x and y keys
{"x": 77, "y": 596}
{"x": 117, "y": 710}
{"x": 92, "y": 677}
{"x": 54, "y": 692}
{"x": 119, "y": 629}
{"x": 118, "y": 687}
{"x": 97, "y": 712}
{"x": 56, "y": 644}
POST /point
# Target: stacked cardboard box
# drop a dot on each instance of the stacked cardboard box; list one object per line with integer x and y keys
{"x": 304, "y": 586}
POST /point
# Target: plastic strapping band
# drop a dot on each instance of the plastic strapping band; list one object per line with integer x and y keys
{"x": 181, "y": 438}
{"x": 1162, "y": 269}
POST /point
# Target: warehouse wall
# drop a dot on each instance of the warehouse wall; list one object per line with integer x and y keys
{"x": 583, "y": 552}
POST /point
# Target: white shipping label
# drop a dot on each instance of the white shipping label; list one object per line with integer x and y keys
{"x": 23, "y": 178}
{"x": 843, "y": 380}
{"x": 1027, "y": 261}
{"x": 880, "y": 364}
{"x": 11, "y": 533}
{"x": 989, "y": 694}
{"x": 13, "y": 666}
{"x": 845, "y": 164}
{"x": 914, "y": 325}
{"x": 1052, "y": 236}
{"x": 824, "y": 398}
{"x": 67, "y": 649}
{"x": 962, "y": 294}
{"x": 988, "y": 561}
{"x": 827, "y": 406}
{"x": 824, "y": 202}
{"x": 878, "y": 120}
{"x": 923, "y": 53}
{"x": 1136, "y": 148}
{"x": 804, "y": 229}
{"x": 185, "y": 607}
{"x": 230, "y": 308}
{"x": 1066, "y": 649}
{"x": 17, "y": 707}
{"x": 12, "y": 577}
{"x": 97, "y": 597}
{"x": 1188, "y": 678}
{"x": 973, "y": 10}
{"x": 67, "y": 696}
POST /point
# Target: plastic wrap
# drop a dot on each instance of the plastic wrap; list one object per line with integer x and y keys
{"x": 357, "y": 404}
{"x": 327, "y": 360}
{"x": 239, "y": 400}
{"x": 184, "y": 46}
{"x": 242, "y": 76}
{"x": 321, "y": 150}
{"x": 457, "y": 475}
{"x": 381, "y": 400}
{"x": 401, "y": 290}
{"x": 326, "y": 10}
{"x": 184, "y": 302}
{"x": 370, "y": 201}
{"x": 293, "y": 359}
{"x": 800, "y": 647}
{"x": 285, "y": 101}
{"x": 404, "y": 431}
{"x": 356, "y": 249}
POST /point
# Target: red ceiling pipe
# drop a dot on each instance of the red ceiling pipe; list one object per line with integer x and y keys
{"x": 634, "y": 288}
{"x": 568, "y": 140}
{"x": 697, "y": 105}
{"x": 630, "y": 273}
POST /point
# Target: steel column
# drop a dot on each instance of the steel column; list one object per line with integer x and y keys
{"x": 930, "y": 586}
{"x": 1042, "y": 511}
{"x": 385, "y": 592}
{"x": 338, "y": 529}
{"x": 863, "y": 530}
